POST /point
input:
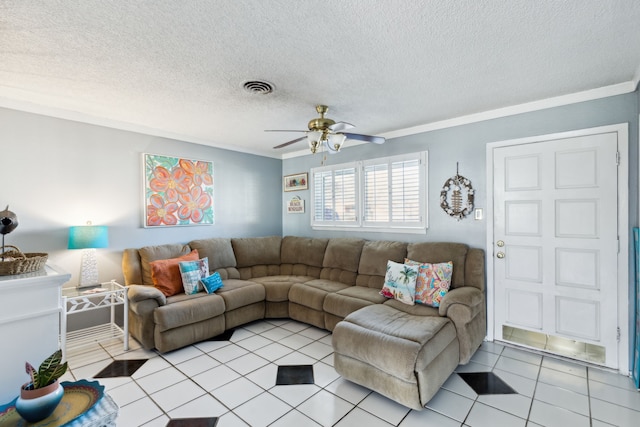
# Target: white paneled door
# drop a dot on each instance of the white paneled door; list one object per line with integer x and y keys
{"x": 555, "y": 240}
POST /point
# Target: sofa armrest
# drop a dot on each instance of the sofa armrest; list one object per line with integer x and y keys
{"x": 143, "y": 301}
{"x": 138, "y": 293}
{"x": 467, "y": 296}
{"x": 465, "y": 307}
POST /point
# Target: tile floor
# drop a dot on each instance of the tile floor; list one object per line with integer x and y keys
{"x": 235, "y": 381}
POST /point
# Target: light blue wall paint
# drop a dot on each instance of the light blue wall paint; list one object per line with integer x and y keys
{"x": 57, "y": 173}
{"x": 467, "y": 145}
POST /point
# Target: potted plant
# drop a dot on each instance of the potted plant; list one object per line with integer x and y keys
{"x": 40, "y": 397}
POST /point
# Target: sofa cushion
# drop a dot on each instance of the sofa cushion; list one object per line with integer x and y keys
{"x": 300, "y": 270}
{"x": 341, "y": 260}
{"x": 260, "y": 270}
{"x": 367, "y": 294}
{"x": 252, "y": 251}
{"x": 239, "y": 293}
{"x": 442, "y": 252}
{"x": 182, "y": 310}
{"x": 373, "y": 261}
{"x": 474, "y": 268}
{"x": 416, "y": 309}
{"x": 338, "y": 275}
{"x": 218, "y": 250}
{"x": 277, "y": 287}
{"x": 400, "y": 282}
{"x": 410, "y": 342}
{"x": 343, "y": 253}
{"x": 312, "y": 294}
{"x": 153, "y": 253}
{"x": 375, "y": 254}
{"x": 222, "y": 260}
{"x": 227, "y": 273}
{"x": 166, "y": 273}
{"x": 303, "y": 250}
{"x": 433, "y": 282}
{"x": 346, "y": 301}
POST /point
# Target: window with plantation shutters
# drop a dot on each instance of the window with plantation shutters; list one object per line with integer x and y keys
{"x": 388, "y": 194}
{"x": 394, "y": 194}
{"x": 335, "y": 199}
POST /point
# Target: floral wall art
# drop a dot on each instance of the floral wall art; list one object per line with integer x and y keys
{"x": 177, "y": 191}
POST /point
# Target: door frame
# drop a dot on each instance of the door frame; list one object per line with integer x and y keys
{"x": 622, "y": 129}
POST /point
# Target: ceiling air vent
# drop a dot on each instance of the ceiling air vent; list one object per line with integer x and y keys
{"x": 258, "y": 87}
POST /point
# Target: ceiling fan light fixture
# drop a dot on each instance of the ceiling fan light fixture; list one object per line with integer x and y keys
{"x": 314, "y": 138}
{"x": 335, "y": 142}
{"x": 327, "y": 133}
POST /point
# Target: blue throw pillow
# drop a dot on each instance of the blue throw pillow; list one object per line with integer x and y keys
{"x": 212, "y": 283}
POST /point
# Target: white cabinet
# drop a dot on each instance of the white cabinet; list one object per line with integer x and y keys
{"x": 30, "y": 309}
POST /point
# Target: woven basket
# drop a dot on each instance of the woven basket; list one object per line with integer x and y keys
{"x": 21, "y": 262}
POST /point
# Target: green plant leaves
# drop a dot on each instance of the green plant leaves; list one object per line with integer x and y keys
{"x": 49, "y": 371}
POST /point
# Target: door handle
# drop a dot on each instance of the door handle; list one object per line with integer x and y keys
{"x": 500, "y": 255}
{"x": 500, "y": 243}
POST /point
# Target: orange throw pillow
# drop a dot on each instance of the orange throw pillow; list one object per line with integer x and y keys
{"x": 166, "y": 273}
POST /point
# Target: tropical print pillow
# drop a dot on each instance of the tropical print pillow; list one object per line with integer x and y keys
{"x": 400, "y": 282}
{"x": 433, "y": 283}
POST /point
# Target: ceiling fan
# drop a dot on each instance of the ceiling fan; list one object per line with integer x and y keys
{"x": 324, "y": 131}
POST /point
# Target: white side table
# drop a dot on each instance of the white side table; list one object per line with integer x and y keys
{"x": 77, "y": 300}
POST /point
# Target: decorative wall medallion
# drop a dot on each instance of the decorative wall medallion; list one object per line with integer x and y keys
{"x": 456, "y": 197}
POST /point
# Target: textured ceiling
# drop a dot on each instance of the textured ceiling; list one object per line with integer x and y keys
{"x": 176, "y": 67}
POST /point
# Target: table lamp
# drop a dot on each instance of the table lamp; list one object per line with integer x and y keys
{"x": 88, "y": 237}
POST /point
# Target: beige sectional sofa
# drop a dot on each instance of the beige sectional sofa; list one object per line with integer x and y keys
{"x": 321, "y": 282}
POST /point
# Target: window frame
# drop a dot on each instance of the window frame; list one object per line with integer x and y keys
{"x": 360, "y": 224}
{"x": 340, "y": 224}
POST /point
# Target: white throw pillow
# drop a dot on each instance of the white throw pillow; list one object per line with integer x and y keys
{"x": 192, "y": 272}
{"x": 400, "y": 282}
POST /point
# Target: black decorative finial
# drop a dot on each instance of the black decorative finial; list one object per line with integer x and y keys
{"x": 8, "y": 221}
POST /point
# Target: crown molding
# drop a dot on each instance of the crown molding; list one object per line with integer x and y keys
{"x": 75, "y": 116}
{"x": 573, "y": 98}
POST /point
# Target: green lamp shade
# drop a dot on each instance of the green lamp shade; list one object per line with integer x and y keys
{"x": 88, "y": 237}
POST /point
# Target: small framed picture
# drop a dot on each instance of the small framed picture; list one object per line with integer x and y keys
{"x": 295, "y": 182}
{"x": 295, "y": 205}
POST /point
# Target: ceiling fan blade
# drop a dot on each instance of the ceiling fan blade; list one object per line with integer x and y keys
{"x": 290, "y": 142}
{"x": 340, "y": 126}
{"x": 284, "y": 130}
{"x": 366, "y": 138}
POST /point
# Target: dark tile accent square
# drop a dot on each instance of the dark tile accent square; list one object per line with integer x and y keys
{"x": 225, "y": 336}
{"x": 121, "y": 368}
{"x": 192, "y": 422}
{"x": 486, "y": 383}
{"x": 295, "y": 374}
